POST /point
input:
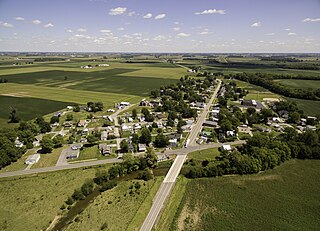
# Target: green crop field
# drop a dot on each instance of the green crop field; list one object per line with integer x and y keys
{"x": 28, "y": 108}
{"x": 286, "y": 198}
{"x": 299, "y": 83}
{"x": 118, "y": 208}
{"x": 310, "y": 107}
{"x": 32, "y": 202}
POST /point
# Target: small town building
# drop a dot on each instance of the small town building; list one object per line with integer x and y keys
{"x": 105, "y": 149}
{"x": 82, "y": 123}
{"x": 209, "y": 123}
{"x": 32, "y": 159}
{"x": 104, "y": 135}
{"x": 226, "y": 147}
{"x": 142, "y": 147}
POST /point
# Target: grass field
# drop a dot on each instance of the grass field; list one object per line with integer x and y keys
{"x": 28, "y": 108}
{"x": 286, "y": 198}
{"x": 299, "y": 83}
{"x": 32, "y": 202}
{"x": 207, "y": 154}
{"x": 118, "y": 208}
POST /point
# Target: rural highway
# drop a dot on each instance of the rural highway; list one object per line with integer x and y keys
{"x": 201, "y": 119}
{"x": 163, "y": 193}
{"x": 168, "y": 182}
{"x": 57, "y": 168}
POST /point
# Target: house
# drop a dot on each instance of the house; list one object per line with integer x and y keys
{"x": 57, "y": 114}
{"x": 82, "y": 123}
{"x": 215, "y": 112}
{"x": 226, "y": 147}
{"x": 83, "y": 140}
{"x": 276, "y": 120}
{"x": 161, "y": 116}
{"x": 76, "y": 147}
{"x": 144, "y": 103}
{"x": 230, "y": 133}
{"x": 141, "y": 147}
{"x": 105, "y": 149}
{"x": 32, "y": 159}
{"x": 124, "y": 104}
{"x": 18, "y": 143}
{"x": 200, "y": 141}
{"x": 130, "y": 120}
{"x": 130, "y": 148}
{"x": 137, "y": 126}
{"x": 110, "y": 110}
{"x": 200, "y": 104}
{"x": 173, "y": 142}
{"x": 104, "y": 135}
{"x": 69, "y": 107}
{"x": 209, "y": 123}
{"x": 125, "y": 127}
{"x": 85, "y": 131}
{"x": 67, "y": 124}
{"x": 103, "y": 65}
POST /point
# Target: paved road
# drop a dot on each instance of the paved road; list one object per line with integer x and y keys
{"x": 168, "y": 183}
{"x": 57, "y": 168}
{"x": 163, "y": 193}
{"x": 198, "y": 126}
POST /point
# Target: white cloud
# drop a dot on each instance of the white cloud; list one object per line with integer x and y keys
{"x": 105, "y": 31}
{"x": 120, "y": 28}
{"x": 148, "y": 15}
{"x": 19, "y": 18}
{"x": 311, "y": 20}
{"x": 36, "y": 21}
{"x": 160, "y": 16}
{"x": 159, "y": 37}
{"x": 183, "y": 35}
{"x": 69, "y": 31}
{"x": 291, "y": 33}
{"x": 176, "y": 28}
{"x": 131, "y": 13}
{"x": 48, "y": 25}
{"x": 205, "y": 32}
{"x": 117, "y": 11}
{"x": 288, "y": 29}
{"x": 211, "y": 11}
{"x": 82, "y": 30}
{"x": 270, "y": 34}
{"x": 256, "y": 24}
{"x": 176, "y": 23}
{"x": 6, "y": 24}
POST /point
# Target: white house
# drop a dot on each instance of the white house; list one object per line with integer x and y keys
{"x": 141, "y": 147}
{"x": 32, "y": 159}
{"x": 226, "y": 147}
{"x": 104, "y": 135}
{"x": 124, "y": 104}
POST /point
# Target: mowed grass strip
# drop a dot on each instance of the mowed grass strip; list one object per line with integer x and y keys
{"x": 286, "y": 198}
{"x": 207, "y": 154}
{"x": 116, "y": 207}
{"x": 32, "y": 202}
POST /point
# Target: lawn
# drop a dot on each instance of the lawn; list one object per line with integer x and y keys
{"x": 118, "y": 208}
{"x": 286, "y": 198}
{"x": 301, "y": 84}
{"x": 32, "y": 202}
{"x": 28, "y": 108}
{"x": 207, "y": 154}
{"x": 49, "y": 159}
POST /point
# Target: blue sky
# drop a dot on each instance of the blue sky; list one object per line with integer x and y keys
{"x": 160, "y": 26}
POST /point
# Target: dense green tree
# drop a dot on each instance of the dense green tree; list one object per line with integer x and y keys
{"x": 46, "y": 144}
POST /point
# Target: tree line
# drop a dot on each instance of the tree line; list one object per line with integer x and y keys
{"x": 261, "y": 152}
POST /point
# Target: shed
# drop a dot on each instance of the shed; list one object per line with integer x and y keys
{"x": 33, "y": 159}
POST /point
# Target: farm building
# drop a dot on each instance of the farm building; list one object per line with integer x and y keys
{"x": 32, "y": 159}
{"x": 226, "y": 147}
{"x": 141, "y": 148}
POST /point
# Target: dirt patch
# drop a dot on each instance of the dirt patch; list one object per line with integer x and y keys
{"x": 271, "y": 99}
{"x": 53, "y": 223}
{"x": 189, "y": 219}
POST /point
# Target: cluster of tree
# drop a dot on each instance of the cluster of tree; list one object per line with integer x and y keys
{"x": 95, "y": 106}
{"x": 144, "y": 138}
{"x": 147, "y": 115}
{"x": 26, "y": 132}
{"x": 13, "y": 116}
{"x": 107, "y": 179}
{"x": 264, "y": 80}
{"x": 175, "y": 96}
{"x": 3, "y": 80}
{"x": 280, "y": 59}
{"x": 261, "y": 152}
